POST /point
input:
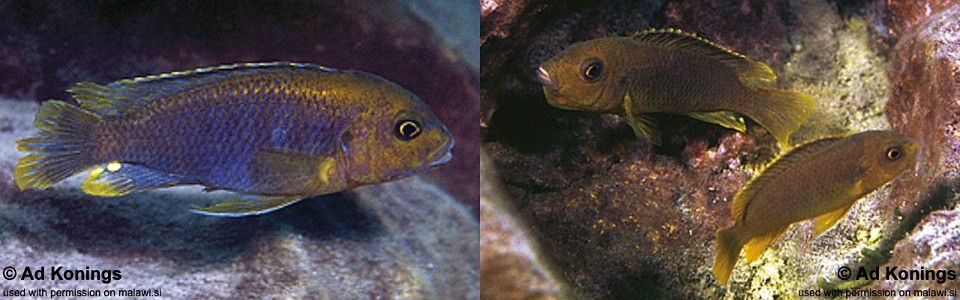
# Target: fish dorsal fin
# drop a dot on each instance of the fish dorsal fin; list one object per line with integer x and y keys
{"x": 784, "y": 163}
{"x": 126, "y": 95}
{"x": 752, "y": 74}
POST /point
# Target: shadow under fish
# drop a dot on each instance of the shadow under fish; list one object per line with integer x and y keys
{"x": 277, "y": 132}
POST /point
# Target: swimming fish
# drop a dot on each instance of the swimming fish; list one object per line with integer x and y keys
{"x": 819, "y": 180}
{"x": 280, "y": 131}
{"x": 669, "y": 71}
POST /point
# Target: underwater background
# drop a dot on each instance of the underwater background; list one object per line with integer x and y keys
{"x": 413, "y": 238}
{"x": 574, "y": 206}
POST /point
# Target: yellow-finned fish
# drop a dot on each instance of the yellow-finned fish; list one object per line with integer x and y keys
{"x": 281, "y": 131}
{"x": 668, "y": 71}
{"x": 819, "y": 180}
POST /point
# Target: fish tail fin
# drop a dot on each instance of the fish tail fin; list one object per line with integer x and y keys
{"x": 781, "y": 112}
{"x": 728, "y": 250}
{"x": 62, "y": 148}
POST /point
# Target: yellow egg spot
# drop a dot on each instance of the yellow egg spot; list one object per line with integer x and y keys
{"x": 113, "y": 167}
{"x": 96, "y": 172}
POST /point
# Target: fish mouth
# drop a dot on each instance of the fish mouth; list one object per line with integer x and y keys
{"x": 544, "y": 77}
{"x": 442, "y": 155}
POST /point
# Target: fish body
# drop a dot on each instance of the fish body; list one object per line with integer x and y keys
{"x": 282, "y": 131}
{"x": 668, "y": 71}
{"x": 819, "y": 180}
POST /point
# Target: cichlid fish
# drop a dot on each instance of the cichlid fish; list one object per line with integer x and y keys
{"x": 819, "y": 180}
{"x": 668, "y": 71}
{"x": 281, "y": 131}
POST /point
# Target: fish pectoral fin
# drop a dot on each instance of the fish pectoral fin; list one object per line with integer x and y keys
{"x": 243, "y": 208}
{"x": 756, "y": 246}
{"x": 287, "y": 172}
{"x": 723, "y": 118}
{"x": 825, "y": 222}
{"x": 117, "y": 179}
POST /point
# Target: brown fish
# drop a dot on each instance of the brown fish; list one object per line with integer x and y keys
{"x": 819, "y": 180}
{"x": 668, "y": 71}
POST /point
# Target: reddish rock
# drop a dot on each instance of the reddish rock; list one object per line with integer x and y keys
{"x": 925, "y": 105}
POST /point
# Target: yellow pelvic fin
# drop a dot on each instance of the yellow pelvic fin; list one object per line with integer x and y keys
{"x": 722, "y": 118}
{"x": 643, "y": 125}
{"x": 756, "y": 246}
{"x": 728, "y": 250}
{"x": 825, "y": 222}
{"x": 242, "y": 208}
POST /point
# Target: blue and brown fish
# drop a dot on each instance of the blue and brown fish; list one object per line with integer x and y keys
{"x": 280, "y": 131}
{"x": 819, "y": 180}
{"x": 669, "y": 71}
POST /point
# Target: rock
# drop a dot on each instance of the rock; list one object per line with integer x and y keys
{"x": 924, "y": 105}
{"x": 510, "y": 267}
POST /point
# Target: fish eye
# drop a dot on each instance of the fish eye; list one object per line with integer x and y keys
{"x": 592, "y": 70}
{"x": 407, "y": 129}
{"x": 894, "y": 153}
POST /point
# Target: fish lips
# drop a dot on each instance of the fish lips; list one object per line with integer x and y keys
{"x": 544, "y": 77}
{"x": 551, "y": 88}
{"x": 442, "y": 155}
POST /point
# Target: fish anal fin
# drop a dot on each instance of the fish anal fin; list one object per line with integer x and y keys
{"x": 756, "y": 246}
{"x": 825, "y": 222}
{"x": 243, "y": 208}
{"x": 750, "y": 73}
{"x": 117, "y": 179}
{"x": 293, "y": 173}
{"x": 723, "y": 118}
